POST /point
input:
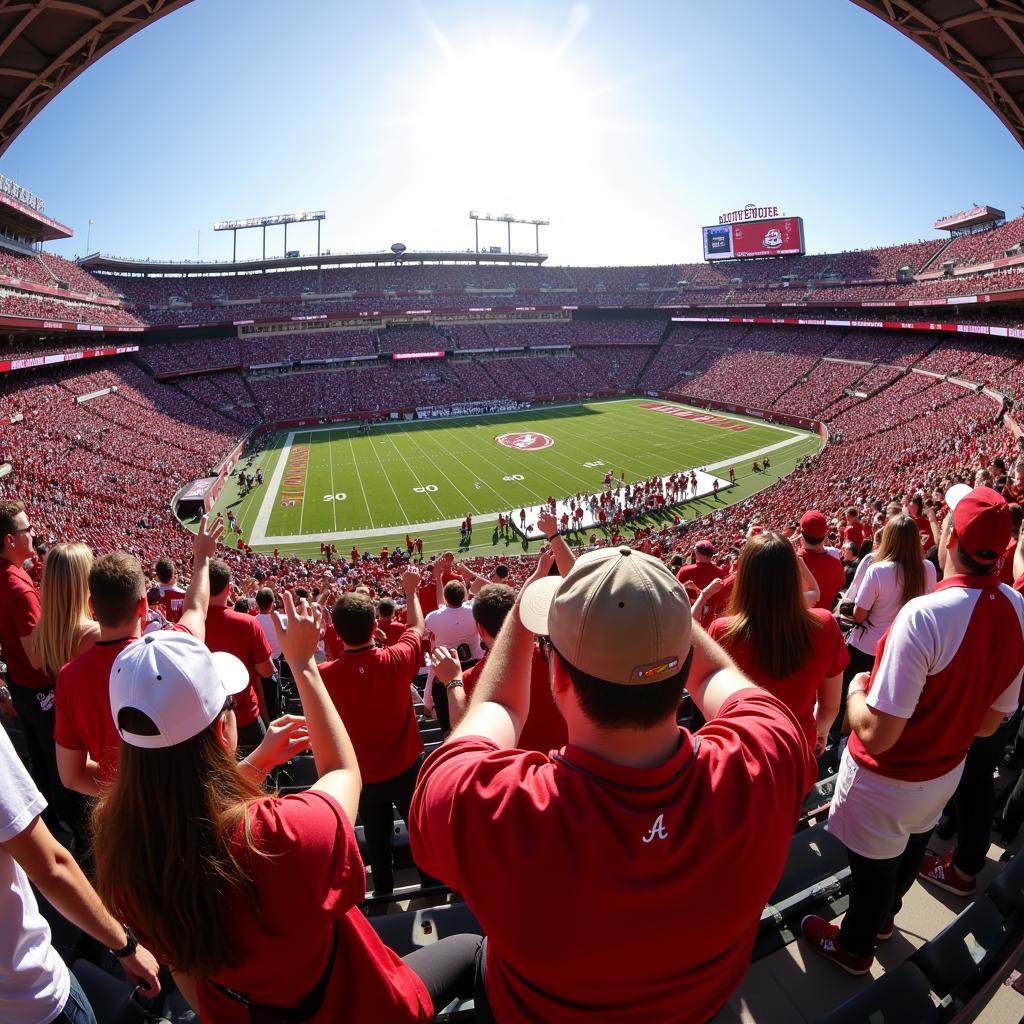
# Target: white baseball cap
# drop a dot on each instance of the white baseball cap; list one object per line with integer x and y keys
{"x": 174, "y": 679}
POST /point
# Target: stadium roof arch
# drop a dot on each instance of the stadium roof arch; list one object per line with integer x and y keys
{"x": 45, "y": 44}
{"x": 980, "y": 41}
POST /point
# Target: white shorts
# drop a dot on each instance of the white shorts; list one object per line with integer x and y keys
{"x": 874, "y": 815}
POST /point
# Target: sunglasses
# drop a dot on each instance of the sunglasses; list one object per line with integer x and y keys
{"x": 546, "y": 647}
{"x": 230, "y": 704}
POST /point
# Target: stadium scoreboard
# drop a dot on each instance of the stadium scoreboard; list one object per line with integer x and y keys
{"x": 751, "y": 239}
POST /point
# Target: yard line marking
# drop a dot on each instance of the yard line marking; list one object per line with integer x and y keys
{"x": 387, "y": 476}
{"x": 473, "y": 509}
{"x": 330, "y": 459}
{"x": 355, "y": 462}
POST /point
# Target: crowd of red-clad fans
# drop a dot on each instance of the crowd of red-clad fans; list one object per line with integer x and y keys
{"x": 150, "y": 668}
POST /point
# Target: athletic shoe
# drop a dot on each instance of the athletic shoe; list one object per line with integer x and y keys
{"x": 940, "y": 871}
{"x": 885, "y": 932}
{"x": 823, "y": 938}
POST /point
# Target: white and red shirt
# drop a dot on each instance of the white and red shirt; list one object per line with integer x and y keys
{"x": 633, "y": 853}
{"x": 946, "y": 659}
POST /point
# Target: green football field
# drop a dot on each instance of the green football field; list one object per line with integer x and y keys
{"x": 334, "y": 484}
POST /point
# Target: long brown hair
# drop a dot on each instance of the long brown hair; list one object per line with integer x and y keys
{"x": 767, "y": 606}
{"x": 901, "y": 544}
{"x": 162, "y": 844}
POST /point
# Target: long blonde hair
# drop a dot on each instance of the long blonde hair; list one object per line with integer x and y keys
{"x": 65, "y": 605}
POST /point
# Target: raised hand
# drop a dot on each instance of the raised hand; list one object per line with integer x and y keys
{"x": 299, "y": 637}
{"x": 204, "y": 544}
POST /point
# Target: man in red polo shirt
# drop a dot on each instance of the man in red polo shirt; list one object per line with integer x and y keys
{"x": 370, "y": 687}
{"x": 31, "y": 691}
{"x": 633, "y": 824}
{"x": 242, "y": 636}
{"x": 825, "y": 567}
{"x": 948, "y": 670}
{"x": 544, "y": 728}
{"x": 88, "y": 743}
{"x": 703, "y": 570}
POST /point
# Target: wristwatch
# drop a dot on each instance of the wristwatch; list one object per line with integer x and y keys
{"x": 130, "y": 944}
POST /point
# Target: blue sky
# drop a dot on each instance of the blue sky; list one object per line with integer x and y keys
{"x": 629, "y": 125}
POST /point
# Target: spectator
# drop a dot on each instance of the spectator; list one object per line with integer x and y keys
{"x": 65, "y": 628}
{"x": 31, "y": 689}
{"x": 896, "y": 575}
{"x": 826, "y": 568}
{"x": 35, "y": 984}
{"x": 703, "y": 570}
{"x": 544, "y": 728}
{"x": 648, "y": 815}
{"x": 242, "y": 636}
{"x": 949, "y": 669}
{"x": 386, "y": 623}
{"x": 795, "y": 652}
{"x": 170, "y": 594}
{"x": 202, "y": 879}
{"x": 88, "y": 745}
{"x": 370, "y": 686}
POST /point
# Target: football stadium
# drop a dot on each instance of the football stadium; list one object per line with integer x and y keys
{"x": 606, "y": 616}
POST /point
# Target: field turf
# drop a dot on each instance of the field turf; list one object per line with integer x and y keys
{"x": 333, "y": 484}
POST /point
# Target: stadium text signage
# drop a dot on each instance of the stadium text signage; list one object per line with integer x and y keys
{"x": 525, "y": 441}
{"x": 749, "y": 212}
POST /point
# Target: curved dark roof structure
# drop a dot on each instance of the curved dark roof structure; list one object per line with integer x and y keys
{"x": 45, "y": 44}
{"x": 980, "y": 41}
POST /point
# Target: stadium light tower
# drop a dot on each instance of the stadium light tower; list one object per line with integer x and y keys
{"x": 507, "y": 218}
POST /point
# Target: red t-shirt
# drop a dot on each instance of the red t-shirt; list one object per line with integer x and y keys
{"x": 631, "y": 852}
{"x": 242, "y": 636}
{"x": 172, "y": 603}
{"x": 855, "y": 534}
{"x": 544, "y": 728}
{"x": 717, "y": 604}
{"x": 829, "y": 574}
{"x": 827, "y": 657}
{"x": 944, "y": 662}
{"x": 19, "y": 614}
{"x": 427, "y": 591}
{"x": 924, "y": 527}
{"x": 332, "y": 642}
{"x": 308, "y": 840}
{"x": 701, "y": 573}
{"x": 83, "y": 720}
{"x": 392, "y": 630}
{"x": 371, "y": 690}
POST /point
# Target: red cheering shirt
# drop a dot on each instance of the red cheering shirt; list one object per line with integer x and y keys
{"x": 827, "y": 657}
{"x": 427, "y": 591}
{"x": 545, "y": 728}
{"x": 946, "y": 659}
{"x": 701, "y": 573}
{"x": 307, "y": 839}
{"x": 631, "y": 853}
{"x": 854, "y": 533}
{"x": 392, "y": 630}
{"x": 242, "y": 636}
{"x": 828, "y": 573}
{"x": 83, "y": 719}
{"x": 370, "y": 689}
{"x": 332, "y": 642}
{"x": 19, "y": 613}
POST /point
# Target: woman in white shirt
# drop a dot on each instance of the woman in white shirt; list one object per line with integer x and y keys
{"x": 896, "y": 575}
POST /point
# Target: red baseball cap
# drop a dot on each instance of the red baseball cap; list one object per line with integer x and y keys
{"x": 983, "y": 524}
{"x": 814, "y": 524}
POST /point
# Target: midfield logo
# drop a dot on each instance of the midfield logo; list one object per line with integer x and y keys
{"x": 525, "y": 441}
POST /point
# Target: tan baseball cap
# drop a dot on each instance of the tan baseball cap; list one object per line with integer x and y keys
{"x": 619, "y": 615}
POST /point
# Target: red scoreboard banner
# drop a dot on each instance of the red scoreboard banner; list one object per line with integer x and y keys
{"x": 779, "y": 236}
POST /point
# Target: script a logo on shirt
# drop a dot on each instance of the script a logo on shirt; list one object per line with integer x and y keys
{"x": 657, "y": 830}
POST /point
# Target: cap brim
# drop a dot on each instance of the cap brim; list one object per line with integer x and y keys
{"x": 231, "y": 672}
{"x": 535, "y": 604}
{"x": 955, "y": 495}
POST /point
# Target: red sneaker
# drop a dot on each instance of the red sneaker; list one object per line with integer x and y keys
{"x": 823, "y": 938}
{"x": 940, "y": 871}
{"x": 885, "y": 932}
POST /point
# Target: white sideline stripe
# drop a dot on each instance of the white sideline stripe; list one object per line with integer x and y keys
{"x": 266, "y": 509}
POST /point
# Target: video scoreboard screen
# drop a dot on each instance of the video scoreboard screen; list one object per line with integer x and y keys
{"x": 778, "y": 236}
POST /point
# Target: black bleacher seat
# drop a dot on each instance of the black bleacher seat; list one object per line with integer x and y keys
{"x": 900, "y": 996}
{"x": 1006, "y": 890}
{"x": 816, "y": 866}
{"x": 966, "y": 952}
{"x": 414, "y": 928}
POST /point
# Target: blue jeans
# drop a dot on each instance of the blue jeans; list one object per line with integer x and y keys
{"x": 77, "y": 1009}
